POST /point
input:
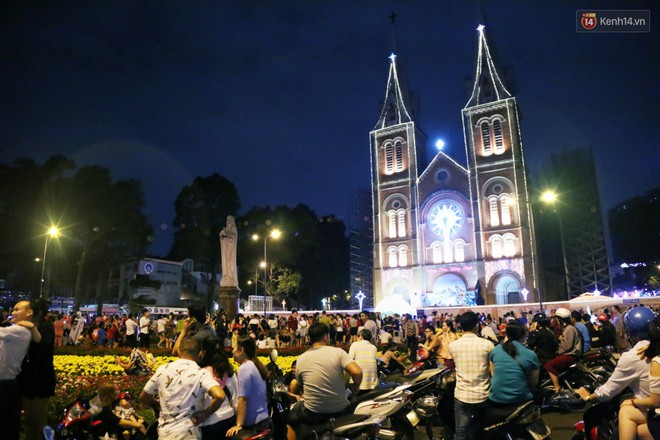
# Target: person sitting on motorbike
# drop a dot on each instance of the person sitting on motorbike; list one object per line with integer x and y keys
{"x": 320, "y": 373}
{"x": 432, "y": 343}
{"x": 570, "y": 348}
{"x": 514, "y": 368}
{"x": 607, "y": 332}
{"x": 542, "y": 339}
{"x": 632, "y": 370}
{"x": 395, "y": 358}
{"x": 637, "y": 417}
{"x": 108, "y": 422}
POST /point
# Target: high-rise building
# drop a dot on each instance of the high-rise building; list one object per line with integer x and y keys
{"x": 360, "y": 224}
{"x": 444, "y": 231}
{"x": 572, "y": 175}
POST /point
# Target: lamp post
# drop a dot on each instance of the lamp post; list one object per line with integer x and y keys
{"x": 274, "y": 234}
{"x": 550, "y": 198}
{"x": 52, "y": 232}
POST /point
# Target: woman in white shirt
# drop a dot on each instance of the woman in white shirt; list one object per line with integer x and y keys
{"x": 216, "y": 426}
{"x": 303, "y": 327}
{"x": 637, "y": 417}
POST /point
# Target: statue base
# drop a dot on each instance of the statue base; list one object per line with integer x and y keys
{"x": 228, "y": 297}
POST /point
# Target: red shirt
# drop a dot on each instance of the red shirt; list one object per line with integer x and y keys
{"x": 293, "y": 322}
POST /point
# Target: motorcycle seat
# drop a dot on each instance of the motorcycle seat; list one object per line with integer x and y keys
{"x": 308, "y": 431}
{"x": 496, "y": 416}
{"x": 370, "y": 395}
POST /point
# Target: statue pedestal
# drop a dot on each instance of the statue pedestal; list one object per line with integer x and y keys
{"x": 228, "y": 299}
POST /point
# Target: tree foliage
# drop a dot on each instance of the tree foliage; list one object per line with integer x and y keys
{"x": 101, "y": 223}
{"x": 201, "y": 212}
{"x": 314, "y": 247}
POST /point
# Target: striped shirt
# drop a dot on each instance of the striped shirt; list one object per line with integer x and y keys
{"x": 471, "y": 355}
{"x": 364, "y": 354}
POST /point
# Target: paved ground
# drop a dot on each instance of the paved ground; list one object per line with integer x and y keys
{"x": 562, "y": 425}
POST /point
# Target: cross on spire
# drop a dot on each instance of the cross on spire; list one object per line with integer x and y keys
{"x": 393, "y": 18}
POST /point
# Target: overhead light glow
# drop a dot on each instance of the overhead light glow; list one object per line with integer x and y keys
{"x": 549, "y": 196}
{"x": 440, "y": 144}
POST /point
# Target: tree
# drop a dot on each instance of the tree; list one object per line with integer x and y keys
{"x": 314, "y": 247}
{"x": 201, "y": 212}
{"x": 101, "y": 223}
{"x": 104, "y": 219}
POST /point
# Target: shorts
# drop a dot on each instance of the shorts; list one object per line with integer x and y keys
{"x": 353, "y": 331}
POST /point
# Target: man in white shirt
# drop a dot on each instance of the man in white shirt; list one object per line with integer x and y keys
{"x": 472, "y": 356}
{"x": 363, "y": 352}
{"x": 182, "y": 388}
{"x": 14, "y": 343}
{"x": 160, "y": 328}
{"x": 131, "y": 328}
{"x": 145, "y": 324}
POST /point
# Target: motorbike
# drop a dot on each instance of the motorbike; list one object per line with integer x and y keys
{"x": 75, "y": 423}
{"x": 574, "y": 377}
{"x": 600, "y": 421}
{"x": 396, "y": 404}
{"x": 351, "y": 426}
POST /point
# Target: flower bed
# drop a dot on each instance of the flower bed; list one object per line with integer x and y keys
{"x": 80, "y": 376}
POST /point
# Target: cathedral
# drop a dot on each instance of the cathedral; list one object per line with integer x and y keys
{"x": 448, "y": 234}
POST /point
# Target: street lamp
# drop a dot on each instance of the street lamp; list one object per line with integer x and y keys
{"x": 550, "y": 198}
{"x": 52, "y": 233}
{"x": 274, "y": 234}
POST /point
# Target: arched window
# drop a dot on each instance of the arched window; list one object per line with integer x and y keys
{"x": 459, "y": 251}
{"x": 496, "y": 246}
{"x": 391, "y": 252}
{"x": 509, "y": 245}
{"x": 401, "y": 222}
{"x": 389, "y": 158}
{"x": 485, "y": 138}
{"x": 403, "y": 256}
{"x": 398, "y": 153}
{"x": 497, "y": 131}
{"x": 494, "y": 212}
{"x": 436, "y": 252}
{"x": 505, "y": 202}
{"x": 391, "y": 224}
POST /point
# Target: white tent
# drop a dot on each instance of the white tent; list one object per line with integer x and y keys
{"x": 394, "y": 304}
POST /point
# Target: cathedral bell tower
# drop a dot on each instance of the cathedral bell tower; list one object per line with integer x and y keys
{"x": 504, "y": 236}
{"x": 397, "y": 153}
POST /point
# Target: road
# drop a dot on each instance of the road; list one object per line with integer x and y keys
{"x": 561, "y": 424}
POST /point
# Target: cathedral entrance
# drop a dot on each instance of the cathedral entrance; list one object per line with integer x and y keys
{"x": 401, "y": 290}
{"x": 448, "y": 290}
{"x": 507, "y": 290}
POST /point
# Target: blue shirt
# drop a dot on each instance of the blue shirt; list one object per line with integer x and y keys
{"x": 585, "y": 336}
{"x": 252, "y": 387}
{"x": 509, "y": 383}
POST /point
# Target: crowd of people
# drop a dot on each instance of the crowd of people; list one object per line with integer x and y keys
{"x": 498, "y": 362}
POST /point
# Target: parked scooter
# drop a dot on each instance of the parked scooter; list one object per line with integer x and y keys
{"x": 396, "y": 404}
{"x": 574, "y": 377}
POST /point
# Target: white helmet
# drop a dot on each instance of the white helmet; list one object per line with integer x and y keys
{"x": 563, "y": 313}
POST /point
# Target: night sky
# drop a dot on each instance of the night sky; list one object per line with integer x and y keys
{"x": 280, "y": 96}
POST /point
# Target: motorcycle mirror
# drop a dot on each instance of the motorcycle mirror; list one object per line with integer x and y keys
{"x": 273, "y": 355}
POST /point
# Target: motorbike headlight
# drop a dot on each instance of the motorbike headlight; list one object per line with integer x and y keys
{"x": 426, "y": 406}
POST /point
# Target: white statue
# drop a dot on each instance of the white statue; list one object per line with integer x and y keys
{"x": 228, "y": 240}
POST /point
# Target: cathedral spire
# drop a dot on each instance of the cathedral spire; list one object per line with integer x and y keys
{"x": 395, "y": 107}
{"x": 488, "y": 86}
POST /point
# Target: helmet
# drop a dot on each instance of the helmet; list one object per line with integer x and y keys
{"x": 563, "y": 313}
{"x": 602, "y": 317}
{"x": 542, "y": 319}
{"x": 636, "y": 322}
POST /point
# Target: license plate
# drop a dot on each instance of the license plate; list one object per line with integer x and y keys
{"x": 413, "y": 418}
{"x": 538, "y": 430}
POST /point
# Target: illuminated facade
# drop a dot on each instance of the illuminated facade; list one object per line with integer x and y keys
{"x": 444, "y": 231}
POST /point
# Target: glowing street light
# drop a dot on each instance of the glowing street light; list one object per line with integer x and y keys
{"x": 549, "y": 197}
{"x": 440, "y": 144}
{"x": 274, "y": 234}
{"x": 52, "y": 233}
